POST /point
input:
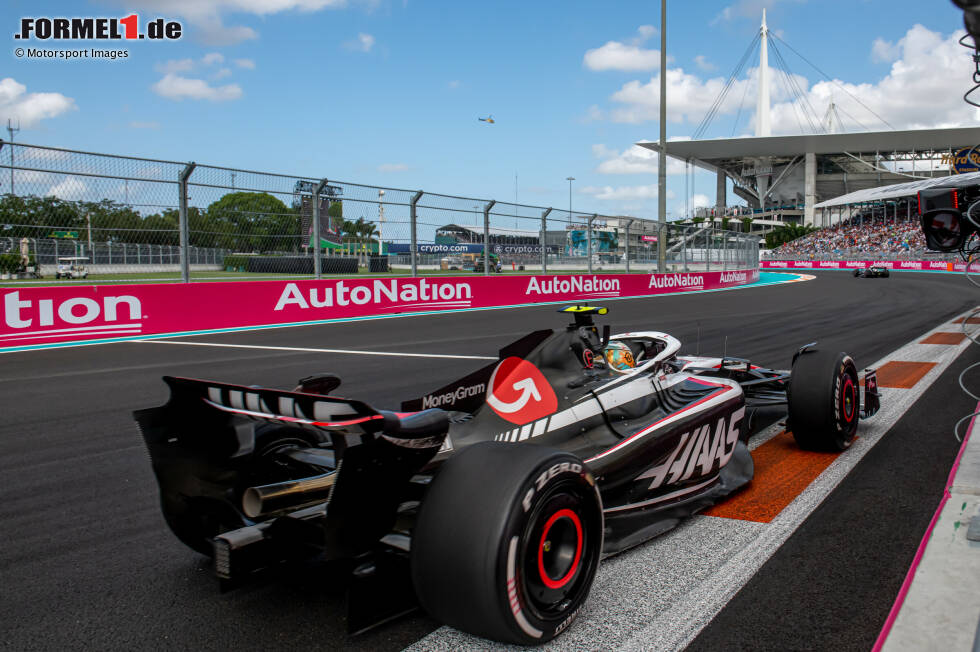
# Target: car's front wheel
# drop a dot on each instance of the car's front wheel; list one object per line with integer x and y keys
{"x": 507, "y": 542}
{"x": 823, "y": 400}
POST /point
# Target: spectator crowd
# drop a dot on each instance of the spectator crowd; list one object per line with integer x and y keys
{"x": 878, "y": 240}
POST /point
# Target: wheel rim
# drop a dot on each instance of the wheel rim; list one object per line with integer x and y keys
{"x": 848, "y": 400}
{"x": 558, "y": 549}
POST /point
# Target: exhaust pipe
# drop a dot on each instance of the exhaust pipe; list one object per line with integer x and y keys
{"x": 292, "y": 494}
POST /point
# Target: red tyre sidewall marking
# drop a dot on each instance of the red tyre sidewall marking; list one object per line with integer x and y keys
{"x": 848, "y": 391}
{"x": 562, "y": 513}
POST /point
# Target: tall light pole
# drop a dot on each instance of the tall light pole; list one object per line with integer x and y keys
{"x": 662, "y": 159}
{"x": 569, "y": 180}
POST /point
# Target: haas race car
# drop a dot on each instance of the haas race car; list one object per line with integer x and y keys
{"x": 491, "y": 500}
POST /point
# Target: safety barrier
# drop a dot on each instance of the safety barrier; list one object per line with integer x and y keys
{"x": 38, "y": 317}
{"x": 909, "y": 265}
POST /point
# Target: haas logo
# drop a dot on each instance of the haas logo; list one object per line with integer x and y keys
{"x": 519, "y": 392}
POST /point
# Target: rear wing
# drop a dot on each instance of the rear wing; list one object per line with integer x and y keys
{"x": 307, "y": 411}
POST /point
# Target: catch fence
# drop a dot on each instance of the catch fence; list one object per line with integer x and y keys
{"x": 197, "y": 222}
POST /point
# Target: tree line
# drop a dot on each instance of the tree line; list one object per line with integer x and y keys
{"x": 239, "y": 221}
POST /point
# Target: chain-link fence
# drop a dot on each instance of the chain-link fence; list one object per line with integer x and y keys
{"x": 125, "y": 217}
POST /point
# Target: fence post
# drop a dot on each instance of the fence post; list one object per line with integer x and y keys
{"x": 724, "y": 250}
{"x": 315, "y": 236}
{"x": 684, "y": 239}
{"x": 486, "y": 237}
{"x": 413, "y": 218}
{"x": 707, "y": 247}
{"x": 544, "y": 241}
{"x": 628, "y": 224}
{"x": 588, "y": 241}
{"x": 185, "y": 174}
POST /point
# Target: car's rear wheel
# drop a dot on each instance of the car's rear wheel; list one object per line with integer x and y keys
{"x": 857, "y": 273}
{"x": 507, "y": 542}
{"x": 823, "y": 400}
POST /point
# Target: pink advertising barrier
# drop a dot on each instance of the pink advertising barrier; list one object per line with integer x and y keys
{"x": 911, "y": 265}
{"x": 38, "y": 316}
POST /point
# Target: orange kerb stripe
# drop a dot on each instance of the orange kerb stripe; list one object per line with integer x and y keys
{"x": 944, "y": 338}
{"x": 782, "y": 472}
{"x": 903, "y": 375}
{"x": 972, "y": 320}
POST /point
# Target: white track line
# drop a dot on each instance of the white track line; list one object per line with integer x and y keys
{"x": 660, "y": 595}
{"x": 342, "y": 351}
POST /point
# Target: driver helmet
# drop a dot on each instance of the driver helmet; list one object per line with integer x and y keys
{"x": 618, "y": 357}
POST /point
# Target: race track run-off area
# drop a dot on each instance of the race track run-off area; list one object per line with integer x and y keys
{"x": 809, "y": 556}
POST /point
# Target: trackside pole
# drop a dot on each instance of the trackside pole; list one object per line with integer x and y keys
{"x": 486, "y": 237}
{"x": 544, "y": 241}
{"x": 414, "y": 227}
{"x": 184, "y": 230}
{"x": 317, "y": 263}
{"x": 588, "y": 242}
{"x": 628, "y": 223}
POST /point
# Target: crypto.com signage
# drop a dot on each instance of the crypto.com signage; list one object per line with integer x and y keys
{"x": 38, "y": 316}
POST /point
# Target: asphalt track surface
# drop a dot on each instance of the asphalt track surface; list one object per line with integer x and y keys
{"x": 87, "y": 561}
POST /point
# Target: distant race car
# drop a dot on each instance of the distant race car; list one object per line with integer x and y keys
{"x": 875, "y": 271}
{"x": 492, "y": 499}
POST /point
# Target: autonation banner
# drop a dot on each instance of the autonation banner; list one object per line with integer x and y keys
{"x": 38, "y": 316}
{"x": 914, "y": 265}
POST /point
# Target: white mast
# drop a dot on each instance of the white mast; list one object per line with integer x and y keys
{"x": 762, "y": 113}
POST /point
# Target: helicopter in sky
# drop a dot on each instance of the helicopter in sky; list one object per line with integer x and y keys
{"x": 488, "y": 119}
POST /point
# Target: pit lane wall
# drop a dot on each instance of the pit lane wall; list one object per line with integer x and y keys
{"x": 38, "y": 317}
{"x": 910, "y": 265}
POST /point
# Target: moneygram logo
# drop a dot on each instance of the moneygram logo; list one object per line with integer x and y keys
{"x": 97, "y": 29}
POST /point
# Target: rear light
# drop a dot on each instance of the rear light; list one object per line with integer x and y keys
{"x": 956, "y": 200}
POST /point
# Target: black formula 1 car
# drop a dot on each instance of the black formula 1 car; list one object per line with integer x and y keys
{"x": 875, "y": 271}
{"x": 490, "y": 500}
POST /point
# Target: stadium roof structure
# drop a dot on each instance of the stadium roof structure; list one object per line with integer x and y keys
{"x": 787, "y": 177}
{"x": 901, "y": 190}
{"x": 704, "y": 152}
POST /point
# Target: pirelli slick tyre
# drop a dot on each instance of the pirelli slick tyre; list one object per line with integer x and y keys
{"x": 507, "y": 542}
{"x": 885, "y": 274}
{"x": 857, "y": 273}
{"x": 823, "y": 400}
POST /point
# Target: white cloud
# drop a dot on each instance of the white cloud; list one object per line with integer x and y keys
{"x": 747, "y": 9}
{"x": 392, "y": 167}
{"x": 70, "y": 189}
{"x": 454, "y": 83}
{"x": 207, "y": 17}
{"x": 175, "y": 65}
{"x": 212, "y": 58}
{"x": 221, "y": 73}
{"x": 702, "y": 62}
{"x": 883, "y": 51}
{"x": 629, "y": 56}
{"x": 621, "y": 193}
{"x": 635, "y": 160}
{"x": 247, "y": 64}
{"x": 175, "y": 87}
{"x": 30, "y": 108}
{"x": 363, "y": 43}
{"x": 697, "y": 201}
{"x": 137, "y": 124}
{"x": 923, "y": 89}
